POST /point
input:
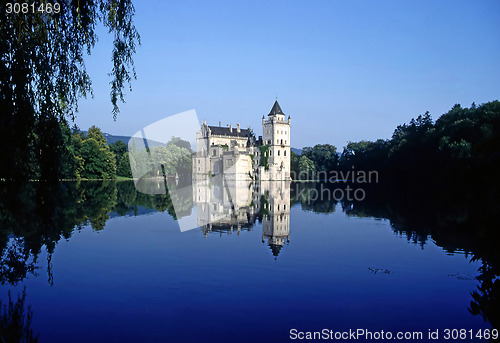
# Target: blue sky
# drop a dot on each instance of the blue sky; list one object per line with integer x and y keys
{"x": 343, "y": 70}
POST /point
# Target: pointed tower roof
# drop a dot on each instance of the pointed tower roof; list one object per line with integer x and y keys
{"x": 276, "y": 109}
{"x": 275, "y": 249}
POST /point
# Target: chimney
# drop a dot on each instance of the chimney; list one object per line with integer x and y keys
{"x": 238, "y": 127}
{"x": 230, "y": 128}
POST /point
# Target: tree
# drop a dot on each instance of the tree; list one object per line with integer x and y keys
{"x": 71, "y": 161}
{"x": 294, "y": 165}
{"x": 175, "y": 157}
{"x": 118, "y": 148}
{"x": 324, "y": 156}
{"x": 306, "y": 167}
{"x": 364, "y": 155}
{"x": 42, "y": 76}
{"x": 95, "y": 133}
{"x": 99, "y": 162}
{"x": 122, "y": 158}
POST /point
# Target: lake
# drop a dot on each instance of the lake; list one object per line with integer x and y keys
{"x": 100, "y": 261}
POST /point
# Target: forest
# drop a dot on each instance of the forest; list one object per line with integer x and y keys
{"x": 461, "y": 146}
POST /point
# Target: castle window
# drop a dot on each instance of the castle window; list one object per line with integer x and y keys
{"x": 285, "y": 141}
{"x": 277, "y": 141}
{"x": 284, "y": 153}
{"x": 278, "y": 152}
{"x": 214, "y": 152}
{"x": 284, "y": 207}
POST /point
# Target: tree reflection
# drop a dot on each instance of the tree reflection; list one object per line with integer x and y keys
{"x": 36, "y": 215}
{"x": 15, "y": 321}
{"x": 314, "y": 196}
{"x": 486, "y": 299}
{"x": 16, "y": 263}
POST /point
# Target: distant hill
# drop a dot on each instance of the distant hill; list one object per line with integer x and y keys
{"x": 297, "y": 151}
{"x": 113, "y": 139}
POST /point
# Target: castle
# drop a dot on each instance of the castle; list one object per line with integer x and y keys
{"x": 236, "y": 153}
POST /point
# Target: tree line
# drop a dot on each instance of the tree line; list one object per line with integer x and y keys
{"x": 462, "y": 144}
{"x": 89, "y": 156}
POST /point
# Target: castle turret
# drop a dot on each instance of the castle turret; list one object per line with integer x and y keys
{"x": 276, "y": 135}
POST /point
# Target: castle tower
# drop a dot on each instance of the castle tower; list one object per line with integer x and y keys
{"x": 276, "y": 135}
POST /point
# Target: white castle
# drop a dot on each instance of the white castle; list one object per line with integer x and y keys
{"x": 236, "y": 153}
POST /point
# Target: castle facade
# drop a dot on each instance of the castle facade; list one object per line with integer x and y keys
{"x": 238, "y": 155}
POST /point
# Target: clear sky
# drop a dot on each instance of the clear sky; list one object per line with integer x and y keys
{"x": 343, "y": 70}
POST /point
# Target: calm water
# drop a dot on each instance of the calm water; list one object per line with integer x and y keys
{"x": 113, "y": 265}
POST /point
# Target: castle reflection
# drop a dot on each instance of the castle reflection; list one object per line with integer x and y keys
{"x": 226, "y": 205}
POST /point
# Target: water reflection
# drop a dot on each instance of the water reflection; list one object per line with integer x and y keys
{"x": 35, "y": 216}
{"x": 225, "y": 205}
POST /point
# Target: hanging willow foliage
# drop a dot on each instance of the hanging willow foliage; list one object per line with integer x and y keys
{"x": 43, "y": 75}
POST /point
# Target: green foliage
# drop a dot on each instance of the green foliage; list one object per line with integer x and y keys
{"x": 95, "y": 133}
{"x": 88, "y": 156}
{"x": 264, "y": 156}
{"x": 123, "y": 165}
{"x": 43, "y": 75}
{"x": 306, "y": 167}
{"x": 294, "y": 164}
{"x": 120, "y": 151}
{"x": 363, "y": 155}
{"x": 175, "y": 157}
{"x": 118, "y": 148}
{"x": 461, "y": 144}
{"x": 324, "y": 156}
{"x": 98, "y": 160}
{"x": 71, "y": 162}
